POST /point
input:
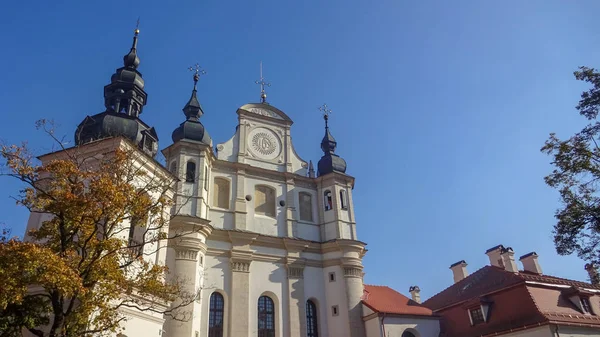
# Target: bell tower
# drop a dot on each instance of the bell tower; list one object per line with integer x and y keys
{"x": 124, "y": 99}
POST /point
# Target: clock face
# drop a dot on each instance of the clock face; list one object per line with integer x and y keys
{"x": 264, "y": 143}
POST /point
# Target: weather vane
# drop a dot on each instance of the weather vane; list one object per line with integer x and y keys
{"x": 263, "y": 94}
{"x": 326, "y": 112}
{"x": 197, "y": 72}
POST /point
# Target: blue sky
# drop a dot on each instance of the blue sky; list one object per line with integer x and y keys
{"x": 440, "y": 107}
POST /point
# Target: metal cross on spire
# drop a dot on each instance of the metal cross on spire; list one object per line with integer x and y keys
{"x": 326, "y": 112}
{"x": 197, "y": 72}
{"x": 262, "y": 83}
{"x": 137, "y": 27}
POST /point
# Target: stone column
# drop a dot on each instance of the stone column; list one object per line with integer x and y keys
{"x": 240, "y": 298}
{"x": 354, "y": 291}
{"x": 296, "y": 300}
{"x": 186, "y": 263}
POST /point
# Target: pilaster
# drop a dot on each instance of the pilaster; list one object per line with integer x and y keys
{"x": 290, "y": 207}
{"x": 354, "y": 291}
{"x": 297, "y": 305}
{"x": 240, "y": 297}
{"x": 240, "y": 206}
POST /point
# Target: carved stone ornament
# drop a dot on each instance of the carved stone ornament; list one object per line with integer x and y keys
{"x": 352, "y": 272}
{"x": 186, "y": 254}
{"x": 264, "y": 143}
{"x": 265, "y": 112}
{"x": 295, "y": 272}
{"x": 240, "y": 266}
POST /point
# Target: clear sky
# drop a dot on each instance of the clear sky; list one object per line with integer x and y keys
{"x": 439, "y": 107}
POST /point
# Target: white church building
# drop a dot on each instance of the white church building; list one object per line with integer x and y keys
{"x": 275, "y": 247}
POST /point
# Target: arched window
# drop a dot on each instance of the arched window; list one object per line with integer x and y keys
{"x": 221, "y": 193}
{"x": 327, "y": 198}
{"x": 190, "y": 172}
{"x": 264, "y": 200}
{"x": 408, "y": 334}
{"x": 266, "y": 317}
{"x": 215, "y": 317}
{"x": 312, "y": 329}
{"x": 306, "y": 213}
{"x": 344, "y": 199}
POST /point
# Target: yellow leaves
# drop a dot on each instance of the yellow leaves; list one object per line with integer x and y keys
{"x": 82, "y": 252}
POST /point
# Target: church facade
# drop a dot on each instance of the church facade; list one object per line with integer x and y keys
{"x": 273, "y": 245}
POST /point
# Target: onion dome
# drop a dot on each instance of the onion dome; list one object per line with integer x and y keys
{"x": 124, "y": 99}
{"x": 192, "y": 128}
{"x": 330, "y": 162}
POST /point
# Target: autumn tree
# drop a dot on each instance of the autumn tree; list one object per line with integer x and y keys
{"x": 104, "y": 217}
{"x": 576, "y": 176}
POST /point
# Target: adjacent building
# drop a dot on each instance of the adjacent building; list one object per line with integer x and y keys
{"x": 501, "y": 300}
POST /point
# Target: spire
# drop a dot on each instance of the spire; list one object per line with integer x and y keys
{"x": 330, "y": 162}
{"x": 131, "y": 60}
{"x": 328, "y": 144}
{"x": 311, "y": 169}
{"x": 192, "y": 128}
{"x": 124, "y": 99}
{"x": 262, "y": 83}
{"x": 193, "y": 109}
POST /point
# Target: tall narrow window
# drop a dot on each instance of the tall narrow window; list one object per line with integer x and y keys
{"x": 312, "y": 329}
{"x": 215, "y": 317}
{"x": 221, "y": 193}
{"x": 344, "y": 199}
{"x": 266, "y": 317}
{"x": 306, "y": 213}
{"x": 173, "y": 168}
{"x": 264, "y": 200}
{"x": 328, "y": 200}
{"x": 190, "y": 172}
{"x": 136, "y": 237}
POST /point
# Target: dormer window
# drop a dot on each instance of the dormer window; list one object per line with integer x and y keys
{"x": 586, "y": 306}
{"x": 476, "y": 315}
{"x": 580, "y": 299}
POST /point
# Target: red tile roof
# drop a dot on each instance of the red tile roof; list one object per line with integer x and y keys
{"x": 518, "y": 301}
{"x": 384, "y": 299}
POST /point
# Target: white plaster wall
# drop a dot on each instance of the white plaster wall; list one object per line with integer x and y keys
{"x": 271, "y": 279}
{"x": 228, "y": 151}
{"x": 570, "y": 331}
{"x": 425, "y": 327}
{"x": 216, "y": 278}
{"x": 142, "y": 324}
{"x": 335, "y": 293}
{"x": 308, "y": 231}
{"x": 261, "y": 223}
{"x": 314, "y": 290}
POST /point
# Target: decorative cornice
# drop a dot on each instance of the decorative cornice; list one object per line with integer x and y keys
{"x": 186, "y": 254}
{"x": 240, "y": 266}
{"x": 353, "y": 272}
{"x": 295, "y": 272}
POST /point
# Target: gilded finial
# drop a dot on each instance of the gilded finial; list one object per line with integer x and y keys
{"x": 197, "y": 72}
{"x": 326, "y": 112}
{"x": 262, "y": 83}
{"x": 137, "y": 27}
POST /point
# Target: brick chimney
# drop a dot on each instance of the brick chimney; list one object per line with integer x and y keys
{"x": 508, "y": 258}
{"x": 494, "y": 255}
{"x": 415, "y": 293}
{"x": 459, "y": 269}
{"x": 593, "y": 273}
{"x": 530, "y": 263}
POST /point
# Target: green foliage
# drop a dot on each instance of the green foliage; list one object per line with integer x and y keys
{"x": 576, "y": 176}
